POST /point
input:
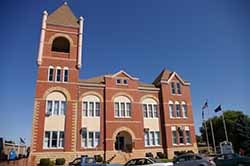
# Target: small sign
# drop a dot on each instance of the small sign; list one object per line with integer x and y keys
{"x": 226, "y": 147}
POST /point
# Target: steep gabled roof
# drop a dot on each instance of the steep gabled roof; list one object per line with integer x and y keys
{"x": 164, "y": 75}
{"x": 63, "y": 16}
{"x": 167, "y": 76}
{"x": 126, "y": 74}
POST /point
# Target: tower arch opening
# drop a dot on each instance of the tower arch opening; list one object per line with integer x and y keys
{"x": 61, "y": 44}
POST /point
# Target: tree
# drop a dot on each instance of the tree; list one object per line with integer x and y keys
{"x": 238, "y": 130}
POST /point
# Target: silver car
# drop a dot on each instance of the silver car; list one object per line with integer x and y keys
{"x": 192, "y": 160}
{"x": 146, "y": 161}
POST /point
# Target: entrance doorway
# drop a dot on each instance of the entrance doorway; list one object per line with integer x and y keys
{"x": 123, "y": 142}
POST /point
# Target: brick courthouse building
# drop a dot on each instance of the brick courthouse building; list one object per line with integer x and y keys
{"x": 114, "y": 115}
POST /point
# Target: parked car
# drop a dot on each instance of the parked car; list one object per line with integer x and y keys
{"x": 83, "y": 161}
{"x": 192, "y": 160}
{"x": 232, "y": 160}
{"x": 146, "y": 161}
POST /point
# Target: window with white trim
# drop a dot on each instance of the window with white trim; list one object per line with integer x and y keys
{"x": 174, "y": 136}
{"x": 65, "y": 74}
{"x": 55, "y": 107}
{"x": 91, "y": 109}
{"x": 50, "y": 73}
{"x": 53, "y": 139}
{"x": 150, "y": 110}
{"x": 90, "y": 139}
{"x": 121, "y": 81}
{"x": 91, "y": 106}
{"x": 178, "y": 109}
{"x": 171, "y": 109}
{"x": 173, "y": 90}
{"x": 58, "y": 74}
{"x": 188, "y": 138}
{"x": 122, "y": 107}
{"x": 151, "y": 138}
{"x": 178, "y": 85}
{"x": 184, "y": 110}
{"x": 181, "y": 135}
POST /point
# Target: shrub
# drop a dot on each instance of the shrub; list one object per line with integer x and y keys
{"x": 52, "y": 163}
{"x": 44, "y": 162}
{"x": 60, "y": 161}
{"x": 149, "y": 154}
{"x": 98, "y": 158}
{"x": 161, "y": 155}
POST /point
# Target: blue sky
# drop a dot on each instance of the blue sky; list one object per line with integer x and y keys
{"x": 206, "y": 42}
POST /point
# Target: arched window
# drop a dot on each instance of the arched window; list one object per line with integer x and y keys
{"x": 149, "y": 107}
{"x": 122, "y": 105}
{"x": 171, "y": 109}
{"x": 65, "y": 74}
{"x": 61, "y": 44}
{"x": 58, "y": 74}
{"x": 184, "y": 109}
{"x": 55, "y": 104}
{"x": 91, "y": 106}
{"x": 178, "y": 109}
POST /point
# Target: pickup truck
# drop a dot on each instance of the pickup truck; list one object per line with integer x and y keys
{"x": 88, "y": 161}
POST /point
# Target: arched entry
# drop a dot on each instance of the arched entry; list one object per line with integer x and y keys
{"x": 123, "y": 141}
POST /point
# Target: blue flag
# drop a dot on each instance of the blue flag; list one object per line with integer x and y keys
{"x": 218, "y": 109}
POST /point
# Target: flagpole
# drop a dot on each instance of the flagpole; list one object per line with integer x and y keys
{"x": 225, "y": 127}
{"x": 206, "y": 133}
{"x": 212, "y": 131}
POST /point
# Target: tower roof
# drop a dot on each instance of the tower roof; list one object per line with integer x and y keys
{"x": 164, "y": 75}
{"x": 63, "y": 16}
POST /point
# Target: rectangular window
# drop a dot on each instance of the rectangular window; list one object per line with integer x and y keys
{"x": 184, "y": 108}
{"x": 91, "y": 139}
{"x": 171, "y": 110}
{"x": 181, "y": 136}
{"x": 58, "y": 75}
{"x": 46, "y": 139}
{"x": 128, "y": 109}
{"x": 150, "y": 111}
{"x": 85, "y": 108}
{"x": 188, "y": 141}
{"x": 56, "y": 108}
{"x": 155, "y": 110}
{"x": 122, "y": 109}
{"x": 125, "y": 82}
{"x": 152, "y": 138}
{"x": 178, "y": 85}
{"x": 84, "y": 138}
{"x": 97, "y": 109}
{"x": 54, "y": 139}
{"x": 118, "y": 81}
{"x": 63, "y": 108}
{"x": 173, "y": 88}
{"x": 61, "y": 139}
{"x": 145, "y": 110}
{"x": 91, "y": 109}
{"x": 146, "y": 138}
{"x": 66, "y": 75}
{"x": 51, "y": 73}
{"x": 157, "y": 138}
{"x": 97, "y": 138}
{"x": 117, "y": 113}
{"x": 178, "y": 110}
{"x": 174, "y": 137}
{"x": 49, "y": 107}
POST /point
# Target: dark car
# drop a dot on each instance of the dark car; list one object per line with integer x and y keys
{"x": 232, "y": 160}
{"x": 192, "y": 160}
